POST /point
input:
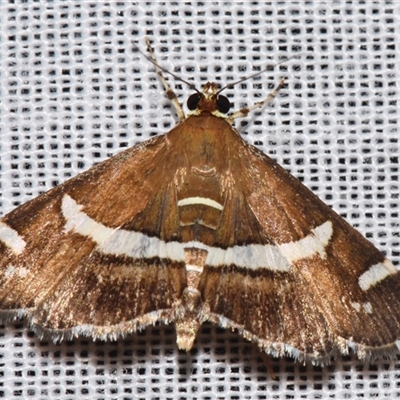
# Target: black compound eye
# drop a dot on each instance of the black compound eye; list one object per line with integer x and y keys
{"x": 193, "y": 101}
{"x": 223, "y": 104}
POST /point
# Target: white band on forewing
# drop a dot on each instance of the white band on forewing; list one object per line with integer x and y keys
{"x": 11, "y": 238}
{"x": 138, "y": 245}
{"x": 117, "y": 241}
{"x": 376, "y": 273}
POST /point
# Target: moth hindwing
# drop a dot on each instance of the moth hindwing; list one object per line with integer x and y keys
{"x": 193, "y": 226}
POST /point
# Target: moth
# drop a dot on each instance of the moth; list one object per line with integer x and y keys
{"x": 192, "y": 226}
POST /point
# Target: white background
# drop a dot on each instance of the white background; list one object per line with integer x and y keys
{"x": 74, "y": 92}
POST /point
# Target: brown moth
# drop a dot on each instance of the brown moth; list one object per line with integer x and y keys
{"x": 194, "y": 226}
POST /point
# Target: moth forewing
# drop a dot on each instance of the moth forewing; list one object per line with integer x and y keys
{"x": 193, "y": 226}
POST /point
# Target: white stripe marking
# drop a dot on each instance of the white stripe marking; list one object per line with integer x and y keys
{"x": 376, "y": 273}
{"x": 137, "y": 245}
{"x": 366, "y": 306}
{"x": 310, "y": 245}
{"x": 11, "y": 238}
{"x": 279, "y": 257}
{"x": 20, "y": 271}
{"x": 118, "y": 241}
{"x": 194, "y": 268}
{"x": 200, "y": 200}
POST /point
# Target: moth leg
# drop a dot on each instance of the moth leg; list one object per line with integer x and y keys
{"x": 170, "y": 93}
{"x": 268, "y": 364}
{"x": 243, "y": 112}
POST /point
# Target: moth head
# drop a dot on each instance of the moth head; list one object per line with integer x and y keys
{"x": 210, "y": 101}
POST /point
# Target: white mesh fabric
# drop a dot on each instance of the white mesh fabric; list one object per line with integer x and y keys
{"x": 74, "y": 92}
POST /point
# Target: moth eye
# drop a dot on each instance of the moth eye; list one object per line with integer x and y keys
{"x": 223, "y": 104}
{"x": 193, "y": 101}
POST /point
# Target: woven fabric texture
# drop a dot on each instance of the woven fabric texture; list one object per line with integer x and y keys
{"x": 75, "y": 91}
